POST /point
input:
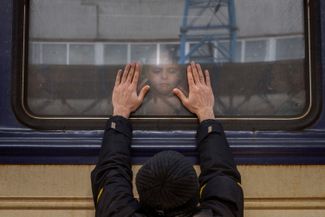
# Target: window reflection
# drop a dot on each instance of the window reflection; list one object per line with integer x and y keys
{"x": 144, "y": 53}
{"x": 203, "y": 53}
{"x": 81, "y": 54}
{"x": 115, "y": 54}
{"x": 34, "y": 55}
{"x": 75, "y": 44}
{"x": 172, "y": 50}
{"x": 290, "y": 48}
{"x": 222, "y": 50}
{"x": 162, "y": 80}
{"x": 54, "y": 54}
{"x": 255, "y": 51}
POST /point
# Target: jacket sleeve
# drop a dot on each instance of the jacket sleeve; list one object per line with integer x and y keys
{"x": 112, "y": 177}
{"x": 220, "y": 189}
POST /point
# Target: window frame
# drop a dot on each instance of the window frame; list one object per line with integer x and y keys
{"x": 312, "y": 52}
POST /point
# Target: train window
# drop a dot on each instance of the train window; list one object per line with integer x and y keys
{"x": 34, "y": 53}
{"x": 223, "y": 45}
{"x": 81, "y": 54}
{"x": 260, "y": 55}
{"x": 54, "y": 54}
{"x": 290, "y": 48}
{"x": 115, "y": 54}
{"x": 144, "y": 53}
{"x": 255, "y": 51}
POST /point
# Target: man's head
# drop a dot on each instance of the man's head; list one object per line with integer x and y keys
{"x": 167, "y": 183}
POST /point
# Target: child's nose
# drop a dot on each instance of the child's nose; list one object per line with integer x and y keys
{"x": 164, "y": 75}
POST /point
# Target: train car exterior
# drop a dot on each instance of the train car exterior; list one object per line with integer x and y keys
{"x": 69, "y": 147}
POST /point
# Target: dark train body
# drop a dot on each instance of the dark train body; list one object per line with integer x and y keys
{"x": 302, "y": 142}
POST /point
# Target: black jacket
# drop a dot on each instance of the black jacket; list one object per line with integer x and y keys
{"x": 220, "y": 191}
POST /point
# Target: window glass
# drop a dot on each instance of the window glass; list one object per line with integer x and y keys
{"x": 54, "y": 54}
{"x": 202, "y": 52}
{"x": 254, "y": 50}
{"x": 168, "y": 50}
{"x": 115, "y": 54}
{"x": 223, "y": 51}
{"x": 290, "y": 48}
{"x": 80, "y": 54}
{"x": 34, "y": 54}
{"x": 144, "y": 53}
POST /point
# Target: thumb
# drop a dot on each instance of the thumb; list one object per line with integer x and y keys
{"x": 143, "y": 92}
{"x": 180, "y": 95}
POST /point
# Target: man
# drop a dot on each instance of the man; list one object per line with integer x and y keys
{"x": 167, "y": 184}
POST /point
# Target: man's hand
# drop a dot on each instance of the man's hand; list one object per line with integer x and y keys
{"x": 125, "y": 98}
{"x": 200, "y": 100}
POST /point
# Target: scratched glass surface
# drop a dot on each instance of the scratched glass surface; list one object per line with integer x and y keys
{"x": 254, "y": 50}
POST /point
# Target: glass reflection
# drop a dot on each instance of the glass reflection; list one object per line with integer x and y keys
{"x": 54, "y": 54}
{"x": 77, "y": 46}
{"x": 81, "y": 54}
{"x": 162, "y": 80}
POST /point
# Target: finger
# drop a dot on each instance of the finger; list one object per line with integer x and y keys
{"x": 136, "y": 74}
{"x": 180, "y": 95}
{"x": 201, "y": 77}
{"x": 182, "y": 90}
{"x": 131, "y": 73}
{"x": 143, "y": 92}
{"x": 125, "y": 73}
{"x": 207, "y": 78}
{"x": 190, "y": 79}
{"x": 195, "y": 73}
{"x": 118, "y": 77}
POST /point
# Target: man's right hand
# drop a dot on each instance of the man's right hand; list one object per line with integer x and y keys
{"x": 125, "y": 98}
{"x": 200, "y": 100}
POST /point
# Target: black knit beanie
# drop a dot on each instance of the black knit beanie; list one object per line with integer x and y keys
{"x": 166, "y": 182}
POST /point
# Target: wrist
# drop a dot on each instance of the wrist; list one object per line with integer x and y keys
{"x": 121, "y": 112}
{"x": 205, "y": 114}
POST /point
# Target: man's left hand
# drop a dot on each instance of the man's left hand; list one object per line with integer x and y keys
{"x": 125, "y": 98}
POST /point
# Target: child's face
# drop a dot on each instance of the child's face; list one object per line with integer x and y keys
{"x": 164, "y": 78}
